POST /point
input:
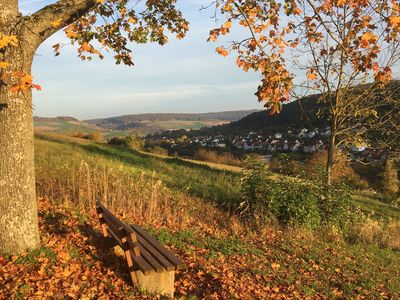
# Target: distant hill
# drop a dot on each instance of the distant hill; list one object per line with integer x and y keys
{"x": 62, "y": 124}
{"x": 294, "y": 114}
{"x": 156, "y": 122}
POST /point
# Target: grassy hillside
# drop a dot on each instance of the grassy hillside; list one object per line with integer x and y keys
{"x": 176, "y": 201}
{"x": 63, "y": 124}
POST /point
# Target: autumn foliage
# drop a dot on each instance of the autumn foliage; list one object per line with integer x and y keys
{"x": 358, "y": 36}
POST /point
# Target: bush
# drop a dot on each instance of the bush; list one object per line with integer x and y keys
{"x": 297, "y": 204}
{"x": 96, "y": 136}
{"x": 132, "y": 141}
{"x": 290, "y": 201}
{"x": 255, "y": 190}
{"x": 284, "y": 164}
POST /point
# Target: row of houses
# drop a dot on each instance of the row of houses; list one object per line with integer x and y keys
{"x": 275, "y": 145}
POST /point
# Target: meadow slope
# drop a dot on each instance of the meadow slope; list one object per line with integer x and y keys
{"x": 186, "y": 206}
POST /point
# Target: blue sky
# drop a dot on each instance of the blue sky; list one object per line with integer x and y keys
{"x": 183, "y": 76}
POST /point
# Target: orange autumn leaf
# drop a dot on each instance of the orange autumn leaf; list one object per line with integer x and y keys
{"x": 24, "y": 83}
{"x": 394, "y": 21}
{"x": 297, "y": 11}
{"x": 222, "y": 51}
{"x": 67, "y": 272}
{"x": 312, "y": 76}
{"x": 4, "y": 64}
{"x": 8, "y": 40}
{"x": 71, "y": 34}
{"x": 367, "y": 39}
{"x": 275, "y": 266}
{"x": 86, "y": 47}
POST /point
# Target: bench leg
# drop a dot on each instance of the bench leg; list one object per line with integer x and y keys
{"x": 157, "y": 283}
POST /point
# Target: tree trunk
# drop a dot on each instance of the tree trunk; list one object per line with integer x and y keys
{"x": 331, "y": 153}
{"x": 18, "y": 212}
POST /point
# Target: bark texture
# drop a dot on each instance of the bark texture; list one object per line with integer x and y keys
{"x": 18, "y": 212}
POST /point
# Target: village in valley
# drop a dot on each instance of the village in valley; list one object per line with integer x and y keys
{"x": 266, "y": 143}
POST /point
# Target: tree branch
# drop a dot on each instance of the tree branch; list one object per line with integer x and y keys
{"x": 53, "y": 17}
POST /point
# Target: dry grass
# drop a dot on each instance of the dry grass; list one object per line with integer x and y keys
{"x": 383, "y": 233}
{"x": 64, "y": 177}
{"x": 214, "y": 157}
{"x": 83, "y": 185}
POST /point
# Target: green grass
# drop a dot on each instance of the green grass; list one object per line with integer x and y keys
{"x": 376, "y": 207}
{"x": 210, "y": 184}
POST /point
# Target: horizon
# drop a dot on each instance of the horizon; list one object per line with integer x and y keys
{"x": 152, "y": 113}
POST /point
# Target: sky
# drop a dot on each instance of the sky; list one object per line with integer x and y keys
{"x": 182, "y": 76}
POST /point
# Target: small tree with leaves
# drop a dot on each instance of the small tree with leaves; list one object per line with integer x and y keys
{"x": 343, "y": 50}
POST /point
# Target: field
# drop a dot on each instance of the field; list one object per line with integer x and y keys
{"x": 188, "y": 207}
{"x": 63, "y": 125}
{"x": 157, "y": 126}
{"x": 67, "y": 124}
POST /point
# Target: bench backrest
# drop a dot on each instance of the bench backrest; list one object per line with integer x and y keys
{"x": 120, "y": 231}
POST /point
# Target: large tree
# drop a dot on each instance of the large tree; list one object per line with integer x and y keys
{"x": 343, "y": 50}
{"x": 94, "y": 26}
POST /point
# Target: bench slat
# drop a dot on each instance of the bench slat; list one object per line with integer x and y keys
{"x": 113, "y": 219}
{"x": 142, "y": 263}
{"x": 151, "y": 260}
{"x": 155, "y": 253}
{"x": 157, "y": 245}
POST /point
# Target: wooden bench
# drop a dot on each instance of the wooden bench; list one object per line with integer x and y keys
{"x": 151, "y": 266}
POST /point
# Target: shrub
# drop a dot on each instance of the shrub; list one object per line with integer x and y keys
{"x": 255, "y": 190}
{"x": 132, "y": 141}
{"x": 297, "y": 204}
{"x": 95, "y": 136}
{"x": 290, "y": 201}
{"x": 284, "y": 164}
{"x": 118, "y": 141}
{"x": 334, "y": 205}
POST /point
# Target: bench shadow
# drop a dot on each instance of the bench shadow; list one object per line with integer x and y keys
{"x": 101, "y": 248}
{"x": 103, "y": 251}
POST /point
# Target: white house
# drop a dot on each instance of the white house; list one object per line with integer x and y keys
{"x": 247, "y": 146}
{"x": 286, "y": 147}
{"x": 296, "y": 146}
